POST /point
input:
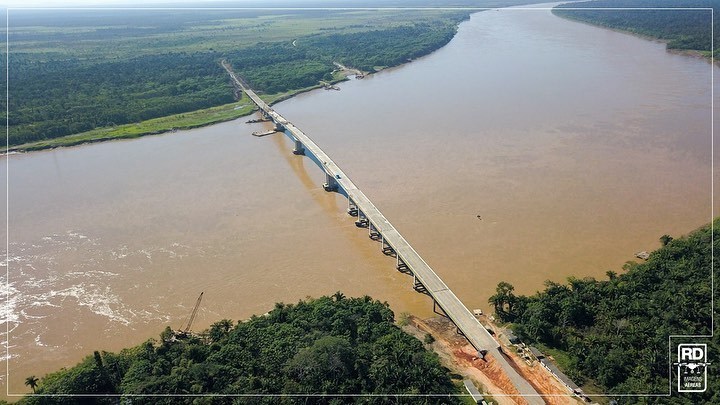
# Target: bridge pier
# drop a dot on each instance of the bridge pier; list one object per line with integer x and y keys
{"x": 401, "y": 266}
{"x": 279, "y": 127}
{"x": 386, "y": 248}
{"x": 362, "y": 221}
{"x": 299, "y": 148}
{"x": 352, "y": 208}
{"x": 373, "y": 233}
{"x": 330, "y": 183}
{"x": 418, "y": 286}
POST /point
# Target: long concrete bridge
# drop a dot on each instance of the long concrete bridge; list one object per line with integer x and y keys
{"x": 425, "y": 280}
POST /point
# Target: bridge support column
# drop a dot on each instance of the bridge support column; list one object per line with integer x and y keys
{"x": 401, "y": 266}
{"x": 330, "y": 183}
{"x": 418, "y": 286}
{"x": 373, "y": 233}
{"x": 299, "y": 149}
{"x": 264, "y": 115}
{"x": 386, "y": 248}
{"x": 362, "y": 221}
{"x": 279, "y": 127}
{"x": 352, "y": 208}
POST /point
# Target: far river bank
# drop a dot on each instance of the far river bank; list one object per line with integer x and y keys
{"x": 243, "y": 107}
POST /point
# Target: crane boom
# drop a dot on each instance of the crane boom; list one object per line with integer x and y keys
{"x": 194, "y": 312}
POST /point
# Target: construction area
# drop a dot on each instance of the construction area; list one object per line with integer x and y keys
{"x": 486, "y": 374}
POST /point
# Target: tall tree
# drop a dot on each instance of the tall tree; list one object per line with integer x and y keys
{"x": 503, "y": 300}
{"x": 32, "y": 382}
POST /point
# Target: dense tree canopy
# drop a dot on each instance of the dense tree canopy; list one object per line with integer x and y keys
{"x": 682, "y": 29}
{"x": 279, "y": 67}
{"x": 330, "y": 345}
{"x": 68, "y": 80}
{"x": 616, "y": 331}
{"x": 56, "y": 98}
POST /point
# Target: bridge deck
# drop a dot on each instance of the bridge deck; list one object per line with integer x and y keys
{"x": 466, "y": 322}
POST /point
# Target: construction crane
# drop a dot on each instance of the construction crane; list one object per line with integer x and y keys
{"x": 186, "y": 330}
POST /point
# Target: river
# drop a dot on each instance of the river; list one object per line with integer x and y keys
{"x": 529, "y": 148}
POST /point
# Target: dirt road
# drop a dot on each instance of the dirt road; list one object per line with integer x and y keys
{"x": 461, "y": 358}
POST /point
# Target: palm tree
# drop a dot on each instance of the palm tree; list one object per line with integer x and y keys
{"x": 32, "y": 382}
{"x": 502, "y": 299}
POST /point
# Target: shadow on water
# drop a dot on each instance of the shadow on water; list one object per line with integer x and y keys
{"x": 319, "y": 164}
{"x": 327, "y": 201}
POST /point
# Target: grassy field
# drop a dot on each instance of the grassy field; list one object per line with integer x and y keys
{"x": 142, "y": 32}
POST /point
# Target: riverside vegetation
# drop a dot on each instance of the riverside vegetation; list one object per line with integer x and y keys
{"x": 103, "y": 74}
{"x": 78, "y": 76}
{"x": 329, "y": 345}
{"x": 689, "y": 30}
{"x": 614, "y": 333}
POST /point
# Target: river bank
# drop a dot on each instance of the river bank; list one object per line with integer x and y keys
{"x": 184, "y": 121}
{"x": 707, "y": 56}
{"x": 242, "y": 107}
{"x": 172, "y": 123}
{"x": 629, "y": 19}
{"x": 208, "y": 116}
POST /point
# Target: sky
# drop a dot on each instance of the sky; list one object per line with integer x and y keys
{"x": 106, "y": 3}
{"x": 239, "y": 3}
{"x": 68, "y": 3}
{"x": 145, "y": 3}
{"x": 85, "y": 3}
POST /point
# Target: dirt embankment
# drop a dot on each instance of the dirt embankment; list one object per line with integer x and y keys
{"x": 461, "y": 358}
{"x": 347, "y": 71}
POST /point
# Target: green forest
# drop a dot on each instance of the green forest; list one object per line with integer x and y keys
{"x": 279, "y": 67}
{"x": 681, "y": 29}
{"x": 78, "y": 97}
{"x": 75, "y": 71}
{"x": 614, "y": 333}
{"x": 335, "y": 345}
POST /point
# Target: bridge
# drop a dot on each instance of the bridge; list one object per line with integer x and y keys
{"x": 425, "y": 280}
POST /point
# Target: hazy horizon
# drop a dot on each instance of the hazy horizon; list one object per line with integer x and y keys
{"x": 211, "y": 3}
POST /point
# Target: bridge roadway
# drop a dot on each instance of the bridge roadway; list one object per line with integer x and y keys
{"x": 465, "y": 321}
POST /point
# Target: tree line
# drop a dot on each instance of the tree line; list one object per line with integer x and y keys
{"x": 682, "y": 29}
{"x": 329, "y": 345}
{"x": 61, "y": 97}
{"x": 615, "y": 331}
{"x": 53, "y": 95}
{"x": 279, "y": 67}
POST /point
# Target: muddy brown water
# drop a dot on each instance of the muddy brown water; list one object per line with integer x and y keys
{"x": 577, "y": 146}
